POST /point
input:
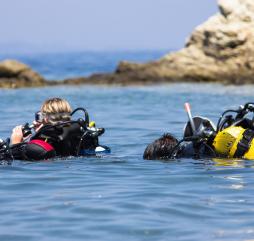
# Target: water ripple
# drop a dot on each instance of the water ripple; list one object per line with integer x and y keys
{"x": 121, "y": 196}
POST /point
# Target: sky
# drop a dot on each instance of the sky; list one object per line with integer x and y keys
{"x": 66, "y": 25}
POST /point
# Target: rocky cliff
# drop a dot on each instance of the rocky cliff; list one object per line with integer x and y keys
{"x": 220, "y": 50}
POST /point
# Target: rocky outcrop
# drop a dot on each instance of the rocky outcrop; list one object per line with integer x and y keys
{"x": 14, "y": 74}
{"x": 220, "y": 50}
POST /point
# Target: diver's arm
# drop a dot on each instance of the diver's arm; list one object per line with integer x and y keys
{"x": 190, "y": 150}
{"x": 186, "y": 150}
{"x": 33, "y": 150}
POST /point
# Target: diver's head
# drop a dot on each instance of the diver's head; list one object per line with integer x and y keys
{"x": 55, "y": 110}
{"x": 161, "y": 148}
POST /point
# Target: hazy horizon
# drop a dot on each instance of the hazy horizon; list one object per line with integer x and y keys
{"x": 81, "y": 25}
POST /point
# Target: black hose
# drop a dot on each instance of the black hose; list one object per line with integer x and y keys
{"x": 48, "y": 127}
{"x": 85, "y": 112}
{"x": 221, "y": 117}
{"x": 241, "y": 113}
{"x": 247, "y": 105}
{"x": 223, "y": 122}
{"x": 210, "y": 148}
{"x": 172, "y": 153}
{"x": 79, "y": 145}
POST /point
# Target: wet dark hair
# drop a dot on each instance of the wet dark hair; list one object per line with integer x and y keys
{"x": 161, "y": 148}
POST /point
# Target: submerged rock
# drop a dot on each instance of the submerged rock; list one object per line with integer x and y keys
{"x": 220, "y": 50}
{"x": 14, "y": 74}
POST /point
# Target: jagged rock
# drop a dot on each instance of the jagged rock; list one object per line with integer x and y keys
{"x": 220, "y": 50}
{"x": 14, "y": 74}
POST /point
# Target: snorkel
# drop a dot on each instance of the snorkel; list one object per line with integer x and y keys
{"x": 198, "y": 130}
{"x": 197, "y": 127}
{"x": 233, "y": 136}
{"x": 188, "y": 110}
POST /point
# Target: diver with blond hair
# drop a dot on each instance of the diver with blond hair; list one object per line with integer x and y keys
{"x": 56, "y": 134}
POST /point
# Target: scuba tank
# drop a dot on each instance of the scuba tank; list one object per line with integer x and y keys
{"x": 82, "y": 139}
{"x": 232, "y": 138}
{"x": 235, "y": 133}
{"x": 75, "y": 138}
{"x": 235, "y": 142}
{"x": 92, "y": 132}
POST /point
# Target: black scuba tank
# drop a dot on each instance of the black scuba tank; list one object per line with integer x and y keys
{"x": 68, "y": 138}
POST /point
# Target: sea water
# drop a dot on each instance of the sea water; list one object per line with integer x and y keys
{"x": 121, "y": 196}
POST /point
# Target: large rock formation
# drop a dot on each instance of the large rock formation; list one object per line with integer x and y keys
{"x": 14, "y": 74}
{"x": 221, "y": 50}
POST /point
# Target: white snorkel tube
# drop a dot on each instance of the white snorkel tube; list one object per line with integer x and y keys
{"x": 188, "y": 110}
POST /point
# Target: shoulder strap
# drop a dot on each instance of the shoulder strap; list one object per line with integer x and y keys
{"x": 47, "y": 131}
{"x": 244, "y": 144}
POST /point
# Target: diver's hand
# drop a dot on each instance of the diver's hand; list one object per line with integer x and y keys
{"x": 17, "y": 135}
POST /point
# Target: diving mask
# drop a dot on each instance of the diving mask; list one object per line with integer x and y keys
{"x": 38, "y": 117}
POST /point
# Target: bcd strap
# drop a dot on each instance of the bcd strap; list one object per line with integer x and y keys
{"x": 244, "y": 144}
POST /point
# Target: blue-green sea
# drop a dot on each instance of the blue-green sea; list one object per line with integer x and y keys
{"x": 120, "y": 196}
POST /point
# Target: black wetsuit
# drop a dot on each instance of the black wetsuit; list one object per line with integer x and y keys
{"x": 190, "y": 150}
{"x": 51, "y": 141}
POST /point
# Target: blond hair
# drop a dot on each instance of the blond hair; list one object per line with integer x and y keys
{"x": 56, "y": 110}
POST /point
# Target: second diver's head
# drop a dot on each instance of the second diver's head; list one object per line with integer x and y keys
{"x": 54, "y": 111}
{"x": 161, "y": 148}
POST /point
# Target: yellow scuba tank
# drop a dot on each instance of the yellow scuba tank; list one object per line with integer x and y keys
{"x": 235, "y": 142}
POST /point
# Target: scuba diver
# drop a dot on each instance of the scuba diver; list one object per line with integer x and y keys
{"x": 233, "y": 137}
{"x": 55, "y": 135}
